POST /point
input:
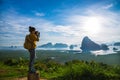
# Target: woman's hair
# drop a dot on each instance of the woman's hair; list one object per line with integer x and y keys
{"x": 31, "y": 29}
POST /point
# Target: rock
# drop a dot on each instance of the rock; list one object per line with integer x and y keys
{"x": 89, "y": 45}
{"x": 13, "y": 46}
{"x": 72, "y": 46}
{"x": 117, "y": 44}
{"x": 104, "y": 47}
{"x": 33, "y": 76}
{"x": 115, "y": 49}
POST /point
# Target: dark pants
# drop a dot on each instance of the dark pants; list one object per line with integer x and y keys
{"x": 32, "y": 60}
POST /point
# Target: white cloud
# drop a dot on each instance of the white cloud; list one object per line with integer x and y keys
{"x": 15, "y": 29}
{"x": 39, "y": 14}
{"x": 108, "y": 20}
{"x": 71, "y": 31}
{"x": 108, "y": 6}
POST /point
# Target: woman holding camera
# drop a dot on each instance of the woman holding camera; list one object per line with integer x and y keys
{"x": 30, "y": 45}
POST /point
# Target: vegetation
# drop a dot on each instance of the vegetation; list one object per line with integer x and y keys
{"x": 52, "y": 70}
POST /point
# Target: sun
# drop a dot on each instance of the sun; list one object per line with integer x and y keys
{"x": 92, "y": 25}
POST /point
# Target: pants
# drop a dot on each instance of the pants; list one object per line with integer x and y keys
{"x": 32, "y": 60}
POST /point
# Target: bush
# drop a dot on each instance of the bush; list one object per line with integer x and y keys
{"x": 72, "y": 70}
{"x": 11, "y": 62}
{"x": 40, "y": 66}
{"x": 82, "y": 70}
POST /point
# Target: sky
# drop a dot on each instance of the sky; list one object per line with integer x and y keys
{"x": 59, "y": 21}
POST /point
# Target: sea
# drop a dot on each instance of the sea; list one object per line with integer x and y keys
{"x": 110, "y": 57}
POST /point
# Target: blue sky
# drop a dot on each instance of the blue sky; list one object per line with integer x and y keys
{"x": 63, "y": 21}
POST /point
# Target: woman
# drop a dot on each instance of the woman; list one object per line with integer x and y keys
{"x": 30, "y": 44}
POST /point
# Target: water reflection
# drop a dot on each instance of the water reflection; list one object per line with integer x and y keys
{"x": 106, "y": 52}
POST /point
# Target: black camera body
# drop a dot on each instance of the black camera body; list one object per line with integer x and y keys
{"x": 37, "y": 33}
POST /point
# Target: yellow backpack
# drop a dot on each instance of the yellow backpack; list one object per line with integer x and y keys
{"x": 28, "y": 44}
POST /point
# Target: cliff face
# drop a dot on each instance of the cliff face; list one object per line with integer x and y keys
{"x": 88, "y": 45}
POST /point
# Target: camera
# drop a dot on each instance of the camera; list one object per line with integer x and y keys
{"x": 37, "y": 33}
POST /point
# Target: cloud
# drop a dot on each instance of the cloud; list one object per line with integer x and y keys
{"x": 108, "y": 6}
{"x": 39, "y": 14}
{"x": 109, "y": 23}
{"x": 14, "y": 27}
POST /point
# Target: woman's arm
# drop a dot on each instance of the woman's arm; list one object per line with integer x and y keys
{"x": 34, "y": 37}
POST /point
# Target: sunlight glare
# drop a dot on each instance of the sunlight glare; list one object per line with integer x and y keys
{"x": 92, "y": 25}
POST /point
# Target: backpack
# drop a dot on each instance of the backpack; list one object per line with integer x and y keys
{"x": 27, "y": 44}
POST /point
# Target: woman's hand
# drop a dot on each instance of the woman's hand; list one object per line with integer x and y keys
{"x": 37, "y": 33}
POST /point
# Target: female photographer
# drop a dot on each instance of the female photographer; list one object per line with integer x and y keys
{"x": 30, "y": 45}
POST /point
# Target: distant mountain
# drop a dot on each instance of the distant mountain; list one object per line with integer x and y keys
{"x": 57, "y": 45}
{"x": 48, "y": 45}
{"x": 72, "y": 46}
{"x": 117, "y": 44}
{"x": 104, "y": 47}
{"x": 89, "y": 45}
{"x": 60, "y": 45}
{"x": 13, "y": 47}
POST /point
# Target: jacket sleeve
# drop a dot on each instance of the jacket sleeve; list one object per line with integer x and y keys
{"x": 35, "y": 38}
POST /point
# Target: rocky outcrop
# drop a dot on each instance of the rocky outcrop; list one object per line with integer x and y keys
{"x": 117, "y": 44}
{"x": 115, "y": 49}
{"x": 72, "y": 46}
{"x": 89, "y": 45}
{"x": 104, "y": 47}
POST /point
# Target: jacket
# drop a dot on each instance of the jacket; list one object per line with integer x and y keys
{"x": 30, "y": 41}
